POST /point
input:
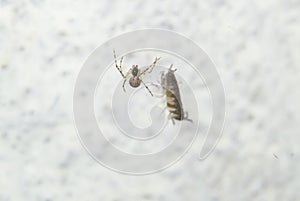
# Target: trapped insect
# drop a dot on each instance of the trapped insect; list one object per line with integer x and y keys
{"x": 173, "y": 99}
{"x": 134, "y": 73}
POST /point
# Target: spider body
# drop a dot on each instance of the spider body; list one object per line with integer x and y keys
{"x": 135, "y": 80}
{"x": 135, "y": 70}
{"x": 134, "y": 73}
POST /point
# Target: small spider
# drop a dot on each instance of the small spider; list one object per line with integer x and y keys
{"x": 134, "y": 73}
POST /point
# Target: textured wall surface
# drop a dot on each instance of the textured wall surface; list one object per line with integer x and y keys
{"x": 256, "y": 47}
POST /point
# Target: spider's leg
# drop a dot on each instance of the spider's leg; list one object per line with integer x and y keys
{"x": 123, "y": 85}
{"x": 121, "y": 62}
{"x": 125, "y": 78}
{"x": 118, "y": 67}
{"x": 153, "y": 64}
{"x": 147, "y": 87}
{"x": 150, "y": 67}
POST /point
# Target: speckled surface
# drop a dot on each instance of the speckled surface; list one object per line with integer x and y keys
{"x": 256, "y": 47}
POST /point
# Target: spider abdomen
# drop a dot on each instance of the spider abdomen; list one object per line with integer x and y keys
{"x": 135, "y": 82}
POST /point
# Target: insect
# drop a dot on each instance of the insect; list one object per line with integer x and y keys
{"x": 134, "y": 73}
{"x": 173, "y": 99}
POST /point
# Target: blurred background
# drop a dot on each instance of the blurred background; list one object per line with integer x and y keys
{"x": 255, "y": 46}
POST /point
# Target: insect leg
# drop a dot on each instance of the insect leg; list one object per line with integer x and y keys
{"x": 163, "y": 111}
{"x": 186, "y": 117}
{"x": 158, "y": 95}
{"x": 156, "y": 85}
{"x": 172, "y": 119}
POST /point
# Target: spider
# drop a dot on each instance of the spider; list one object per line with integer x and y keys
{"x": 134, "y": 73}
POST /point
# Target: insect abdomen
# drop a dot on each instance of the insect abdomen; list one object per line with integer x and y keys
{"x": 174, "y": 105}
{"x": 173, "y": 96}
